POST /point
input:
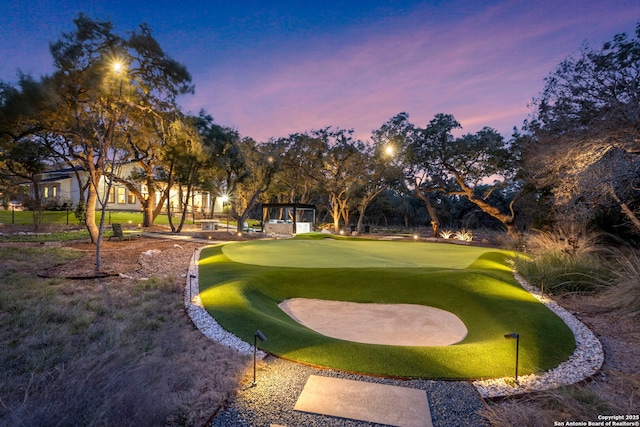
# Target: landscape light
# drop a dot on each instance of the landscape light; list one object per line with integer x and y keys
{"x": 256, "y": 336}
{"x": 191, "y": 277}
{"x": 515, "y": 336}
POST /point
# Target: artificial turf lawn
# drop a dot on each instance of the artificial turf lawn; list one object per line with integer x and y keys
{"x": 241, "y": 285}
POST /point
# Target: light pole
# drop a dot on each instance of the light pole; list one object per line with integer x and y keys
{"x": 517, "y": 338}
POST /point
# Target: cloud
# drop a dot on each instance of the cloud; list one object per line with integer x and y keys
{"x": 484, "y": 68}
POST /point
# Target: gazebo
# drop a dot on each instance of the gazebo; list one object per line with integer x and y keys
{"x": 288, "y": 218}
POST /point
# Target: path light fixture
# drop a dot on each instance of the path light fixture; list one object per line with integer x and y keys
{"x": 256, "y": 336}
{"x": 517, "y": 338}
{"x": 191, "y": 277}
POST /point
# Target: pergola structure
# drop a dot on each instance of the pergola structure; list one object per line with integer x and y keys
{"x": 288, "y": 218}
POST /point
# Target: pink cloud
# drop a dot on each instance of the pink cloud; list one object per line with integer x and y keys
{"x": 484, "y": 69}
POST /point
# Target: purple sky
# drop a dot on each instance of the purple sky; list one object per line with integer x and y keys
{"x": 274, "y": 68}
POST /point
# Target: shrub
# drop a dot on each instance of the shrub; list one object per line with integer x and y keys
{"x": 567, "y": 260}
{"x": 80, "y": 212}
{"x": 623, "y": 292}
{"x": 464, "y": 235}
{"x": 566, "y": 239}
{"x": 446, "y": 234}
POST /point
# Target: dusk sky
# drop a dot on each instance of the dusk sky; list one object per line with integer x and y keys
{"x": 269, "y": 69}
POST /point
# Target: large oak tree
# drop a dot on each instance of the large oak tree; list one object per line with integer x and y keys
{"x": 584, "y": 137}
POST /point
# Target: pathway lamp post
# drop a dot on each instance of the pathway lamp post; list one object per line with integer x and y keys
{"x": 258, "y": 335}
{"x": 515, "y": 336}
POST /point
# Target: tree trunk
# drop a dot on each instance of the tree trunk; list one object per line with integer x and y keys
{"x": 37, "y": 209}
{"x": 360, "y": 220}
{"x": 365, "y": 204}
{"x": 335, "y": 213}
{"x": 426, "y": 197}
{"x": 90, "y": 218}
{"x": 185, "y": 207}
{"x": 147, "y": 211}
{"x": 506, "y": 220}
{"x": 635, "y": 221}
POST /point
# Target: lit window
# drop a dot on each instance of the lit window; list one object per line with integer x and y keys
{"x": 112, "y": 195}
{"x": 46, "y": 192}
{"x": 131, "y": 198}
{"x": 121, "y": 195}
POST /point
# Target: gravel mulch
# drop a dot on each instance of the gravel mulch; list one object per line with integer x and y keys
{"x": 279, "y": 383}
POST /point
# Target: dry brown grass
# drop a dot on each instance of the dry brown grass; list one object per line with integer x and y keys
{"x": 623, "y": 292}
{"x": 613, "y": 391}
{"x": 110, "y": 352}
{"x": 583, "y": 402}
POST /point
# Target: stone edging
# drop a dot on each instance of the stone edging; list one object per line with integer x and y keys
{"x": 202, "y": 319}
{"x": 585, "y": 361}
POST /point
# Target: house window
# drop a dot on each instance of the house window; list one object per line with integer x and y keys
{"x": 54, "y": 191}
{"x": 131, "y": 198}
{"x": 121, "y": 195}
{"x": 112, "y": 195}
{"x": 45, "y": 193}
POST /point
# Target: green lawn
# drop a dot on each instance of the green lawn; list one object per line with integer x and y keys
{"x": 62, "y": 217}
{"x": 241, "y": 284}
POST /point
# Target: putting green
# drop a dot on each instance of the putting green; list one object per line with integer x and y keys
{"x": 242, "y": 284}
{"x": 330, "y": 253}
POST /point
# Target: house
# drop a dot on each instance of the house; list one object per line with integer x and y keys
{"x": 60, "y": 188}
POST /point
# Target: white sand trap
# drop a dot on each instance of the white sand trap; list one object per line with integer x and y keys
{"x": 387, "y": 324}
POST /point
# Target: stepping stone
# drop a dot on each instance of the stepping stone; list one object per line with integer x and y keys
{"x": 358, "y": 400}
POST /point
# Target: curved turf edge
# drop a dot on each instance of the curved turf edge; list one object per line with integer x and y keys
{"x": 243, "y": 297}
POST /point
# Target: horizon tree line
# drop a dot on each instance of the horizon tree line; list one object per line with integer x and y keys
{"x": 113, "y": 99}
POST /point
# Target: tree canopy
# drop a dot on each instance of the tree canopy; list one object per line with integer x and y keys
{"x": 112, "y": 99}
{"x": 584, "y": 137}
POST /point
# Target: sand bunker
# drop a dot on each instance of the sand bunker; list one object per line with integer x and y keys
{"x": 387, "y": 324}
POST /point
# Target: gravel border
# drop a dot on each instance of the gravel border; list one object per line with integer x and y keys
{"x": 452, "y": 403}
{"x": 201, "y": 317}
{"x": 586, "y": 360}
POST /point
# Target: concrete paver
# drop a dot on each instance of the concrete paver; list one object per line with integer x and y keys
{"x": 365, "y": 401}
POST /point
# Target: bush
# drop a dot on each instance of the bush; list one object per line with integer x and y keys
{"x": 623, "y": 292}
{"x": 567, "y": 260}
{"x": 80, "y": 212}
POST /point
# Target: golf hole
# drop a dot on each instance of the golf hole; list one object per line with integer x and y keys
{"x": 385, "y": 324}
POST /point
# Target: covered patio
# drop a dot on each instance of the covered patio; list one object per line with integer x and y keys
{"x": 288, "y": 218}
